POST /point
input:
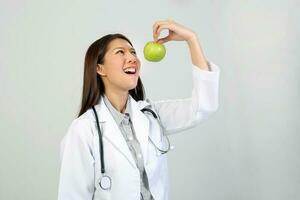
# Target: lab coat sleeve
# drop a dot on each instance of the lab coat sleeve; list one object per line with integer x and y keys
{"x": 77, "y": 163}
{"x": 181, "y": 114}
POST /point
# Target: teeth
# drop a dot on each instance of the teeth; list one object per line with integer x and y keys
{"x": 130, "y": 70}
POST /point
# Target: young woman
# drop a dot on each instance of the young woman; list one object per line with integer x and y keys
{"x": 116, "y": 147}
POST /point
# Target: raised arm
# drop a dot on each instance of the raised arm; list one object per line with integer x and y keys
{"x": 180, "y": 114}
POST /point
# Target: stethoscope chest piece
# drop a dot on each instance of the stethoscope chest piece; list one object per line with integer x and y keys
{"x": 105, "y": 182}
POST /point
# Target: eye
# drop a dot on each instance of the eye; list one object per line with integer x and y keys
{"x": 120, "y": 51}
{"x": 133, "y": 52}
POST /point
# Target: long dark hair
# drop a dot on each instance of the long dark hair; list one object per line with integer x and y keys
{"x": 93, "y": 86}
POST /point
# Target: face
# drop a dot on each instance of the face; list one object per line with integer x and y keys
{"x": 121, "y": 66}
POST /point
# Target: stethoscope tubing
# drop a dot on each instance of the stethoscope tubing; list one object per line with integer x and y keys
{"x": 100, "y": 142}
{"x": 105, "y": 180}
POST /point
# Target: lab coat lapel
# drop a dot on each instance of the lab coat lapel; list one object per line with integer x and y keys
{"x": 141, "y": 125}
{"x": 111, "y": 131}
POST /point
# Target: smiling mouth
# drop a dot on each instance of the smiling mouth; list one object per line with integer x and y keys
{"x": 130, "y": 71}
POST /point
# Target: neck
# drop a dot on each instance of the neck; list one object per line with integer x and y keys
{"x": 117, "y": 99}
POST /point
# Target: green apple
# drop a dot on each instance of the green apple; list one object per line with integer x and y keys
{"x": 154, "y": 51}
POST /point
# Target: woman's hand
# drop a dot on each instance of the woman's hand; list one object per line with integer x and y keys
{"x": 177, "y": 32}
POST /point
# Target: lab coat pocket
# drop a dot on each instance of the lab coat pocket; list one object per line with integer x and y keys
{"x": 155, "y": 144}
{"x": 155, "y": 163}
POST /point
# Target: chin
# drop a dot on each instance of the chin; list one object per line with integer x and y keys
{"x": 129, "y": 84}
{"x": 131, "y": 87}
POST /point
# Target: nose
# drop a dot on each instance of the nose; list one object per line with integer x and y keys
{"x": 131, "y": 58}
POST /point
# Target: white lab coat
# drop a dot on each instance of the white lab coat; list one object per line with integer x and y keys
{"x": 80, "y": 160}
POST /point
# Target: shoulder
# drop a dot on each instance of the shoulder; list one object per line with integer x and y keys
{"x": 82, "y": 122}
{"x": 81, "y": 127}
{"x": 79, "y": 135}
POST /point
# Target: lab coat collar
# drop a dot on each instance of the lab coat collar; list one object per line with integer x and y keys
{"x": 112, "y": 133}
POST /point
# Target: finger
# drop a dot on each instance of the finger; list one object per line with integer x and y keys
{"x": 155, "y": 28}
{"x": 164, "y": 40}
{"x": 165, "y": 26}
{"x": 158, "y": 24}
{"x": 170, "y": 20}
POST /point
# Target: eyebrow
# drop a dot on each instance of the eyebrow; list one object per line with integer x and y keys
{"x": 131, "y": 48}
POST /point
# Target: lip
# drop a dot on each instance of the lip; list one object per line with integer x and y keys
{"x": 135, "y": 67}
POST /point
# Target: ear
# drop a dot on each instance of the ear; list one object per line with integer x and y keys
{"x": 100, "y": 70}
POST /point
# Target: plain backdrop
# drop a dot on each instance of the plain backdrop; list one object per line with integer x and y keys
{"x": 248, "y": 150}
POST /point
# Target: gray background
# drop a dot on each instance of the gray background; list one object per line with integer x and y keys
{"x": 248, "y": 150}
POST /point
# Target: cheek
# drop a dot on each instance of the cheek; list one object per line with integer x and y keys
{"x": 115, "y": 67}
{"x": 139, "y": 63}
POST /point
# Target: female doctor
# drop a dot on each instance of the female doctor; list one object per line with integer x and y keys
{"x": 116, "y": 148}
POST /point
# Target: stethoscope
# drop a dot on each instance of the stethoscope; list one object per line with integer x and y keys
{"x": 105, "y": 180}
